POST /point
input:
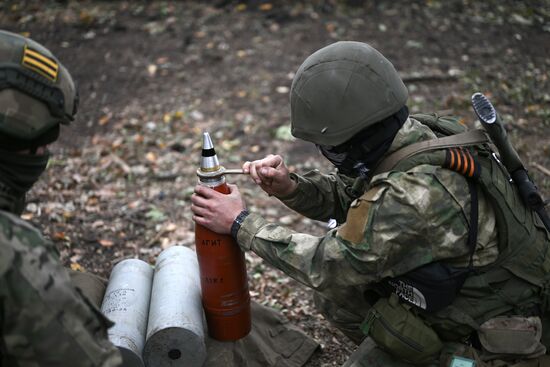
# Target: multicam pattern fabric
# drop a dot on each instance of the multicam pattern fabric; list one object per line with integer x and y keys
{"x": 45, "y": 321}
{"x": 403, "y": 221}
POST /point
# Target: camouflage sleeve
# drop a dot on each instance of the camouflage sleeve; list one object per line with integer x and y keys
{"x": 44, "y": 319}
{"x": 404, "y": 221}
{"x": 310, "y": 260}
{"x": 320, "y": 196}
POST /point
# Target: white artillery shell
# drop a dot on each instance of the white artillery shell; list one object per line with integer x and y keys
{"x": 175, "y": 334}
{"x": 126, "y": 303}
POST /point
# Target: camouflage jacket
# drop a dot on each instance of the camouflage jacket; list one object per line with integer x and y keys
{"x": 405, "y": 220}
{"x": 43, "y": 318}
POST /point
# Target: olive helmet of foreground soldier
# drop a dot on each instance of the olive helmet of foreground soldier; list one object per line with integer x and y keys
{"x": 349, "y": 100}
{"x": 37, "y": 94}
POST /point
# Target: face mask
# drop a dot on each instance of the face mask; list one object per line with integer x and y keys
{"x": 359, "y": 155}
{"x": 346, "y": 161}
{"x": 18, "y": 172}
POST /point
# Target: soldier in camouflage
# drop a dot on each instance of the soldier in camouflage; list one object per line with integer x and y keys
{"x": 348, "y": 100}
{"x": 44, "y": 318}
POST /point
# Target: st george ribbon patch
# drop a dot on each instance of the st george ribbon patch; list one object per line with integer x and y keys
{"x": 37, "y": 62}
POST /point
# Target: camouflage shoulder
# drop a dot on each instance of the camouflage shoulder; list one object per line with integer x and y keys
{"x": 11, "y": 225}
{"x": 423, "y": 181}
{"x": 6, "y": 251}
{"x": 14, "y": 233}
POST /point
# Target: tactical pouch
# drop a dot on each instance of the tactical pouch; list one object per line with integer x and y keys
{"x": 396, "y": 329}
{"x": 512, "y": 335}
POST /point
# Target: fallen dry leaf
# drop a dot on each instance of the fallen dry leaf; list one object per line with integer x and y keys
{"x": 77, "y": 267}
{"x": 106, "y": 243}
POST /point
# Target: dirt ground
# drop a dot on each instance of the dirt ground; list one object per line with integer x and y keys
{"x": 154, "y": 75}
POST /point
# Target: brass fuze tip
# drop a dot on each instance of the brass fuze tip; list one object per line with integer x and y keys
{"x": 209, "y": 159}
{"x": 210, "y": 171}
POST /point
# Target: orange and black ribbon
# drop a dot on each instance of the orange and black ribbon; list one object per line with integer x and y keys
{"x": 462, "y": 161}
{"x": 40, "y": 63}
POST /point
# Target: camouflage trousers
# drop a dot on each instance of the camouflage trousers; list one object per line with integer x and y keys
{"x": 368, "y": 354}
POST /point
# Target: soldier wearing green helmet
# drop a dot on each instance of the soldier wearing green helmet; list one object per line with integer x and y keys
{"x": 44, "y": 319}
{"x": 435, "y": 260}
{"x": 37, "y": 94}
{"x": 341, "y": 90}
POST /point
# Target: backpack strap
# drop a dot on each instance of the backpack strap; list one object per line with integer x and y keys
{"x": 472, "y": 137}
{"x": 474, "y": 221}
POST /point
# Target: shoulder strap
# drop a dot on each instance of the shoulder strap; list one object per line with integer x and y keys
{"x": 472, "y": 137}
{"x": 446, "y": 125}
{"x": 474, "y": 221}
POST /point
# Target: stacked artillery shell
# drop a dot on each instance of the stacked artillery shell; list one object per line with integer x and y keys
{"x": 175, "y": 334}
{"x": 224, "y": 283}
{"x": 126, "y": 303}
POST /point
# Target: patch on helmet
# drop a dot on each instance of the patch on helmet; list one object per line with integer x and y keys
{"x": 37, "y": 62}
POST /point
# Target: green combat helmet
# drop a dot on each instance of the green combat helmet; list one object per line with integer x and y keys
{"x": 342, "y": 89}
{"x": 37, "y": 93}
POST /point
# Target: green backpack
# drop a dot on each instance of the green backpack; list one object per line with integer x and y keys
{"x": 516, "y": 283}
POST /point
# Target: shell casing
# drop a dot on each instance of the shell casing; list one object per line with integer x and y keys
{"x": 224, "y": 282}
{"x": 126, "y": 303}
{"x": 175, "y": 332}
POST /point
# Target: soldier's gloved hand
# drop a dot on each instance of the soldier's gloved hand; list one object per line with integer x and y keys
{"x": 271, "y": 174}
{"x": 214, "y": 210}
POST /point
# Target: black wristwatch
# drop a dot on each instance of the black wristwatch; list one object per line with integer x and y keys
{"x": 237, "y": 223}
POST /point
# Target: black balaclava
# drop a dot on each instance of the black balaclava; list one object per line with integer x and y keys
{"x": 18, "y": 172}
{"x": 359, "y": 155}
